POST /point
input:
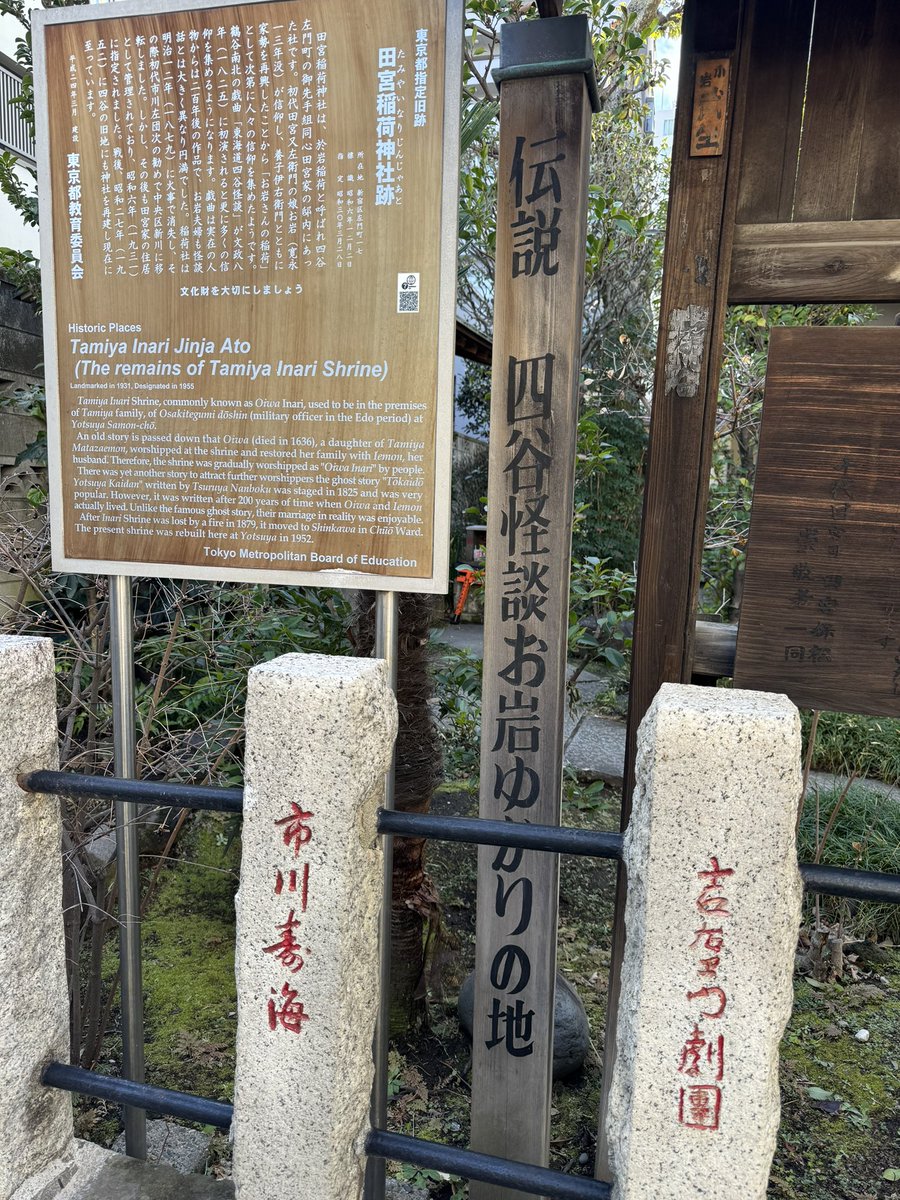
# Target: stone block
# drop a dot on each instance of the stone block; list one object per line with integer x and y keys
{"x": 100, "y": 1174}
{"x": 397, "y": 1190}
{"x": 571, "y": 1029}
{"x": 597, "y": 750}
{"x": 320, "y": 735}
{"x": 712, "y": 918}
{"x": 187, "y": 1150}
{"x": 35, "y": 1122}
{"x": 99, "y": 848}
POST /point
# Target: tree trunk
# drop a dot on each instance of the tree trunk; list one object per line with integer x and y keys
{"x": 415, "y": 913}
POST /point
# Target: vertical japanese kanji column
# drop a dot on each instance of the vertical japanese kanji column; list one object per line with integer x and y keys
{"x": 35, "y": 1122}
{"x": 712, "y": 919}
{"x": 547, "y": 84}
{"x": 320, "y": 735}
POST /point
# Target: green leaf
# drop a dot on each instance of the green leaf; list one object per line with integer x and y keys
{"x": 817, "y": 1093}
{"x": 892, "y": 1173}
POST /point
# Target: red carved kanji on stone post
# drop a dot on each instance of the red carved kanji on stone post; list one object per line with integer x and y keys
{"x": 698, "y": 1106}
{"x": 296, "y": 831}
{"x": 293, "y": 885}
{"x": 710, "y": 899}
{"x": 291, "y": 1015}
{"x": 699, "y": 1053}
{"x": 287, "y": 949}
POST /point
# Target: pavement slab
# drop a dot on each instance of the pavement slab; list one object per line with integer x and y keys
{"x": 101, "y": 1174}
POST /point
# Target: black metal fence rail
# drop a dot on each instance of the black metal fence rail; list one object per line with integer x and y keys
{"x": 834, "y": 881}
{"x": 138, "y": 1095}
{"x": 439, "y": 1157}
{"x": 538, "y": 1181}
{"x": 555, "y": 839}
{"x": 75, "y": 786}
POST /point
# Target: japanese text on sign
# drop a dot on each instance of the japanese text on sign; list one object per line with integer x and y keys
{"x": 710, "y": 107}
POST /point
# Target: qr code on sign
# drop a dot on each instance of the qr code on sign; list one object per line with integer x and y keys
{"x": 408, "y": 292}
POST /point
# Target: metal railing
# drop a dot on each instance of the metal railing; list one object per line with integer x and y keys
{"x": 15, "y": 135}
{"x": 833, "y": 881}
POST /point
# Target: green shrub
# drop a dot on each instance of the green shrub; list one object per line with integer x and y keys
{"x": 850, "y": 743}
{"x": 865, "y": 836}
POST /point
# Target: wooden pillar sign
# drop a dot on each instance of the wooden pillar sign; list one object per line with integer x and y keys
{"x": 248, "y": 251}
{"x": 539, "y": 281}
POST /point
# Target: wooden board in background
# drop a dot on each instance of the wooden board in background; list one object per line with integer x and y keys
{"x": 781, "y": 34}
{"x": 820, "y": 615}
{"x": 878, "y": 183}
{"x": 820, "y": 141}
{"x": 833, "y": 131}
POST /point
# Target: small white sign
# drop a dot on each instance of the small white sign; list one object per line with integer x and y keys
{"x": 408, "y": 292}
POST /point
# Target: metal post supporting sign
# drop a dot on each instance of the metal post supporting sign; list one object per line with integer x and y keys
{"x": 547, "y": 85}
{"x": 121, "y": 625}
{"x": 386, "y": 647}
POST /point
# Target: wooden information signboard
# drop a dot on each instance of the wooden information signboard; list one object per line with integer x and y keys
{"x": 820, "y": 615}
{"x": 249, "y": 273}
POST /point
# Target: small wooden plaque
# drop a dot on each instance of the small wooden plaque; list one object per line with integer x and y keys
{"x": 711, "y": 80}
{"x": 820, "y": 616}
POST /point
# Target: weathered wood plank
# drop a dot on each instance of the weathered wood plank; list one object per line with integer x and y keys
{"x": 713, "y": 650}
{"x": 694, "y": 297}
{"x": 778, "y": 65}
{"x": 820, "y": 616}
{"x": 878, "y": 182}
{"x": 816, "y": 262}
{"x": 835, "y": 95}
{"x": 541, "y": 220}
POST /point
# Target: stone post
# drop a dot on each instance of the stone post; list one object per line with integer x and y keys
{"x": 35, "y": 1122}
{"x": 320, "y": 735}
{"x": 712, "y": 919}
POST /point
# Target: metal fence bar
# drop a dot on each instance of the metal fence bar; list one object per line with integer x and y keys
{"x": 557, "y": 839}
{"x": 387, "y": 646}
{"x": 75, "y": 786}
{"x": 452, "y": 1159}
{"x": 831, "y": 881}
{"x": 539, "y": 1181}
{"x": 846, "y": 881}
{"x": 138, "y": 1095}
{"x": 836, "y": 881}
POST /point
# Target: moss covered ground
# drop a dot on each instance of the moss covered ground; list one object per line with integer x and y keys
{"x": 190, "y": 1000}
{"x": 188, "y": 939}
